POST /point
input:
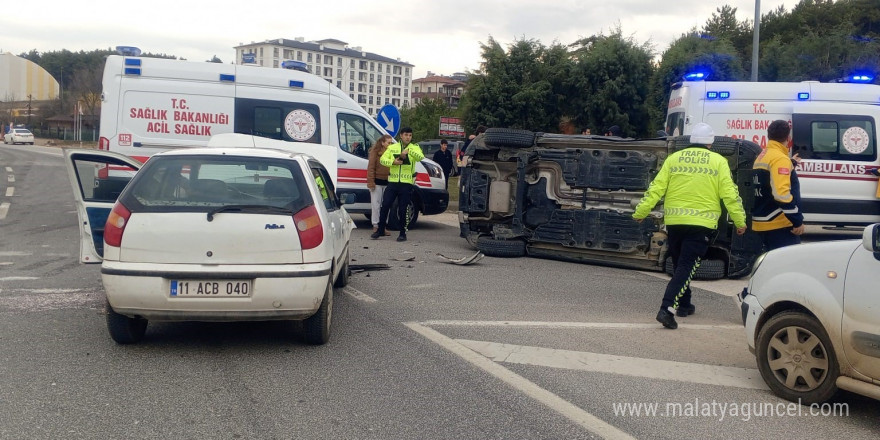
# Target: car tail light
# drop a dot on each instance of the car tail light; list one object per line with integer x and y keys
{"x": 115, "y": 225}
{"x": 103, "y": 143}
{"x": 309, "y": 227}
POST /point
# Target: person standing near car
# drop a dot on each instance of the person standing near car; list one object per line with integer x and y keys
{"x": 443, "y": 157}
{"x": 401, "y": 159}
{"x": 377, "y": 178}
{"x": 776, "y": 215}
{"x": 694, "y": 182}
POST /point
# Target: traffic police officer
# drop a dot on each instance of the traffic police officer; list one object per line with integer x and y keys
{"x": 694, "y": 181}
{"x": 401, "y": 158}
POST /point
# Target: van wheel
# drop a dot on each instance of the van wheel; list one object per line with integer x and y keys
{"x": 125, "y": 330}
{"x": 394, "y": 222}
{"x": 509, "y": 137}
{"x": 708, "y": 270}
{"x": 501, "y": 248}
{"x": 796, "y": 358}
{"x": 316, "y": 328}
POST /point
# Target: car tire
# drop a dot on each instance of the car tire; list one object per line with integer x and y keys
{"x": 316, "y": 328}
{"x": 509, "y": 137}
{"x": 708, "y": 270}
{"x": 501, "y": 248}
{"x": 394, "y": 221}
{"x": 776, "y": 352}
{"x": 342, "y": 277}
{"x": 125, "y": 330}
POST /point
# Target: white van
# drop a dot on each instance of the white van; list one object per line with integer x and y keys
{"x": 834, "y": 130}
{"x": 151, "y": 105}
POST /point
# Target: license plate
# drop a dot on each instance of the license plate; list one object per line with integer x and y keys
{"x": 212, "y": 288}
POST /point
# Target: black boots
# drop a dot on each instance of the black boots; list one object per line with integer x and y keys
{"x": 684, "y": 311}
{"x": 666, "y": 318}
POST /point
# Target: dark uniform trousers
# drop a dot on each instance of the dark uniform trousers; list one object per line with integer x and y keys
{"x": 688, "y": 244}
{"x": 777, "y": 238}
{"x": 403, "y": 193}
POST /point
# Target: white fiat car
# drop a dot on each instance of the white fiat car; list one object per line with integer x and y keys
{"x": 812, "y": 318}
{"x": 212, "y": 234}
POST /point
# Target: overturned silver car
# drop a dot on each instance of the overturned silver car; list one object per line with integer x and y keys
{"x": 571, "y": 197}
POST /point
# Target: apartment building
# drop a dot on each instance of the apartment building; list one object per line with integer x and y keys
{"x": 370, "y": 79}
{"x": 433, "y": 86}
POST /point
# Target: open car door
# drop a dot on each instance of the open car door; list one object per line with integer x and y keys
{"x": 97, "y": 178}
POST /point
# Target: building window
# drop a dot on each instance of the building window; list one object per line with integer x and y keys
{"x": 387, "y": 91}
{"x": 387, "y": 79}
{"x": 397, "y": 70}
{"x": 362, "y": 76}
{"x": 371, "y": 90}
{"x": 328, "y": 71}
{"x": 350, "y": 87}
{"x": 351, "y": 75}
{"x": 275, "y": 52}
{"x": 352, "y": 64}
{"x": 328, "y": 59}
{"x": 405, "y": 92}
{"x": 275, "y": 64}
{"x": 388, "y": 68}
{"x": 372, "y": 67}
{"x": 417, "y": 89}
{"x": 379, "y": 78}
{"x": 318, "y": 59}
{"x": 339, "y": 85}
{"x": 339, "y": 73}
{"x": 370, "y": 100}
{"x": 362, "y": 65}
{"x": 309, "y": 57}
{"x": 261, "y": 52}
{"x": 371, "y": 78}
{"x": 299, "y": 55}
{"x": 339, "y": 61}
{"x": 407, "y": 71}
{"x": 429, "y": 89}
{"x": 406, "y": 82}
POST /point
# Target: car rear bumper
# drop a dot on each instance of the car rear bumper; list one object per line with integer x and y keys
{"x": 278, "y": 291}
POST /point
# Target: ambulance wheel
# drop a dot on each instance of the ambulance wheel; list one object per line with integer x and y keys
{"x": 708, "y": 270}
{"x": 394, "y": 222}
{"x": 509, "y": 137}
{"x": 501, "y": 248}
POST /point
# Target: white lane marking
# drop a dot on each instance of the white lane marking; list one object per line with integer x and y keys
{"x": 724, "y": 287}
{"x": 8, "y": 169}
{"x": 14, "y": 254}
{"x": 6, "y": 263}
{"x": 4, "y": 210}
{"x": 749, "y": 378}
{"x": 358, "y": 295}
{"x": 529, "y": 388}
{"x": 18, "y": 278}
{"x": 585, "y": 325}
{"x": 49, "y": 291}
{"x": 10, "y": 191}
{"x": 10, "y": 178}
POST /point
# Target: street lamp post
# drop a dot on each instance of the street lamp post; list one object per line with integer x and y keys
{"x": 30, "y": 98}
{"x": 755, "y": 40}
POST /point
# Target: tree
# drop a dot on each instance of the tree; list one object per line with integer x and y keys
{"x": 215, "y": 60}
{"x": 424, "y": 118}
{"x": 610, "y": 84}
{"x": 86, "y": 88}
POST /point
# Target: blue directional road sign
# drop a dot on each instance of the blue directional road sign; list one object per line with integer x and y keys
{"x": 389, "y": 119}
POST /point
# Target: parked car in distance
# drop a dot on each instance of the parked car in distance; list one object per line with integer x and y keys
{"x": 812, "y": 318}
{"x": 18, "y": 136}
{"x": 430, "y": 147}
{"x": 213, "y": 234}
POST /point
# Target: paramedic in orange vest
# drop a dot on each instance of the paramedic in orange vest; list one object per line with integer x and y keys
{"x": 776, "y": 214}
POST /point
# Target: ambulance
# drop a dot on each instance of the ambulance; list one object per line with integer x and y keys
{"x": 151, "y": 105}
{"x": 834, "y": 131}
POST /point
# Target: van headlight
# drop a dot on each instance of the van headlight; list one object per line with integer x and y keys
{"x": 433, "y": 169}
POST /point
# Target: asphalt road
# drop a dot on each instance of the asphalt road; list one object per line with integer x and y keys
{"x": 505, "y": 348}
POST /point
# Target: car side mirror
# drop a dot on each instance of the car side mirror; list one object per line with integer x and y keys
{"x": 871, "y": 239}
{"x": 347, "y": 198}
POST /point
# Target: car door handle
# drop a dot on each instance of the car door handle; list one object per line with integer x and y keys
{"x": 341, "y": 161}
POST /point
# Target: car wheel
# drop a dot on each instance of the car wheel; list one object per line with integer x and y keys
{"x": 342, "y": 277}
{"x": 125, "y": 330}
{"x": 501, "y": 248}
{"x": 394, "y": 221}
{"x": 796, "y": 358}
{"x": 708, "y": 270}
{"x": 316, "y": 328}
{"x": 509, "y": 137}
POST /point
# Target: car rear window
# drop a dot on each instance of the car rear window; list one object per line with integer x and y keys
{"x": 21, "y": 131}
{"x": 195, "y": 183}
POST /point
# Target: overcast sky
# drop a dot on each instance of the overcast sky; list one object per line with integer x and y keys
{"x": 441, "y": 36}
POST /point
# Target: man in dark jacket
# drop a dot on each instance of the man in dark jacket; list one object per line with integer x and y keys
{"x": 443, "y": 157}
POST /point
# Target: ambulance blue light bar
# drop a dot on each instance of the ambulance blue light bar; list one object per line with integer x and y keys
{"x": 295, "y": 65}
{"x": 132, "y": 70}
{"x": 723, "y": 95}
{"x": 132, "y": 61}
{"x": 128, "y": 51}
{"x": 861, "y": 78}
{"x": 711, "y": 95}
{"x": 227, "y": 77}
{"x": 695, "y": 76}
{"x": 297, "y": 84}
{"x": 803, "y": 96}
{"x": 717, "y": 95}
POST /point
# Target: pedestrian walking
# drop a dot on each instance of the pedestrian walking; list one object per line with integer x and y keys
{"x": 777, "y": 215}
{"x": 401, "y": 159}
{"x": 693, "y": 182}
